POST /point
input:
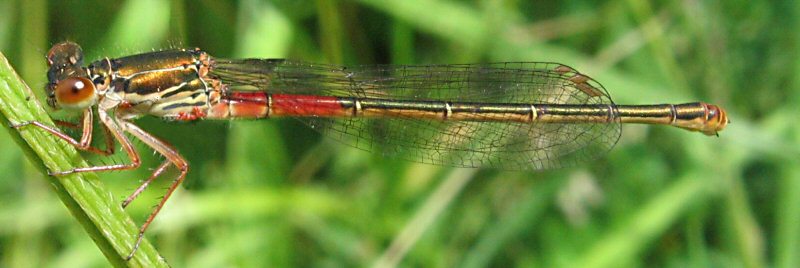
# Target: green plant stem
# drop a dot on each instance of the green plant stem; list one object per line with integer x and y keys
{"x": 83, "y": 194}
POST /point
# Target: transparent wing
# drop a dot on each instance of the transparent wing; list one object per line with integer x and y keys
{"x": 505, "y": 145}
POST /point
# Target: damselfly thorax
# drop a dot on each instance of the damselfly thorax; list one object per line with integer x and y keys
{"x": 172, "y": 84}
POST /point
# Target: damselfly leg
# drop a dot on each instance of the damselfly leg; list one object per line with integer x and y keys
{"x": 86, "y": 126}
{"x": 116, "y": 128}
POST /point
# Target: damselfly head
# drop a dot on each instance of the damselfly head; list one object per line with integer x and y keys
{"x": 68, "y": 82}
{"x": 65, "y": 53}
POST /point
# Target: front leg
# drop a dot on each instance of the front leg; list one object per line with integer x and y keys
{"x": 86, "y": 137}
{"x": 111, "y": 128}
{"x": 118, "y": 134}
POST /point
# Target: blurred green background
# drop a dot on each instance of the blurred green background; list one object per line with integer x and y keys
{"x": 275, "y": 193}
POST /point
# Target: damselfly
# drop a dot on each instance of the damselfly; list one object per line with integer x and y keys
{"x": 510, "y": 115}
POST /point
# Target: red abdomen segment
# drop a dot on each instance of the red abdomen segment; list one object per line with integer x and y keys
{"x": 262, "y": 104}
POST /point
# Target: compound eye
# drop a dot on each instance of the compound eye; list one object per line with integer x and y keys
{"x": 75, "y": 92}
